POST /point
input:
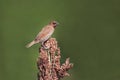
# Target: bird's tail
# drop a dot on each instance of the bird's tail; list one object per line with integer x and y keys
{"x": 30, "y": 44}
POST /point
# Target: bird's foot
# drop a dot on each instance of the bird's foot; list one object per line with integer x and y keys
{"x": 45, "y": 45}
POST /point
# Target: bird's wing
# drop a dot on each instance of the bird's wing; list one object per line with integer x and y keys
{"x": 44, "y": 32}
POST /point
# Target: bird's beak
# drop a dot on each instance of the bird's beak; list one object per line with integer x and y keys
{"x": 57, "y": 23}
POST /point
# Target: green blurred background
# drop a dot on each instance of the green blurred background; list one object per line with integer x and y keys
{"x": 89, "y": 33}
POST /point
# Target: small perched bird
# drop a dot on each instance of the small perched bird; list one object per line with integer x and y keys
{"x": 44, "y": 34}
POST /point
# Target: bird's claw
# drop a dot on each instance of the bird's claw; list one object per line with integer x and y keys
{"x": 44, "y": 46}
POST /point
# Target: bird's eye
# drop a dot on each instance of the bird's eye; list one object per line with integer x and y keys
{"x": 54, "y": 23}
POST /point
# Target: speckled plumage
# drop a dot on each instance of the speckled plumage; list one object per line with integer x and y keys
{"x": 44, "y": 34}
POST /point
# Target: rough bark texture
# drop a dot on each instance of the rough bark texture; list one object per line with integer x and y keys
{"x": 48, "y": 62}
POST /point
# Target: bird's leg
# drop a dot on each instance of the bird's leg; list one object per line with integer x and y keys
{"x": 43, "y": 45}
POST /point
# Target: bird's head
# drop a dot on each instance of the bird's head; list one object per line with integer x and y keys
{"x": 54, "y": 23}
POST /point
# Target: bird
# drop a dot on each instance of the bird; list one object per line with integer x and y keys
{"x": 44, "y": 34}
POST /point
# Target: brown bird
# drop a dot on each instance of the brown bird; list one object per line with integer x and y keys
{"x": 44, "y": 34}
